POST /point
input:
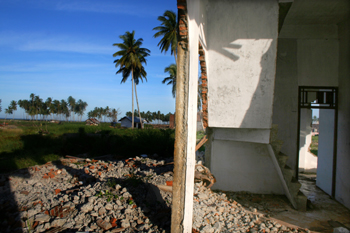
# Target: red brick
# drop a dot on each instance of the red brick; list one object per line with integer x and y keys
{"x": 51, "y": 174}
{"x": 45, "y": 176}
{"x": 181, "y": 6}
{"x": 183, "y": 28}
{"x": 35, "y": 224}
{"x": 86, "y": 171}
{"x": 169, "y": 183}
{"x": 57, "y": 191}
{"x": 99, "y": 173}
{"x": 113, "y": 220}
{"x": 92, "y": 167}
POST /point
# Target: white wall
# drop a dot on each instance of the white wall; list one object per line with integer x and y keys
{"x": 325, "y": 150}
{"x": 242, "y": 166}
{"x": 342, "y": 192}
{"x": 241, "y": 43}
{"x": 307, "y": 160}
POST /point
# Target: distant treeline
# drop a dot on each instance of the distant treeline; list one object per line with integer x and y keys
{"x": 150, "y": 116}
{"x": 70, "y": 110}
{"x": 37, "y": 109}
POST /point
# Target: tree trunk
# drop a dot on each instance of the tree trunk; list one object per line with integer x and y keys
{"x": 132, "y": 91}
{"x": 175, "y": 57}
{"x": 138, "y": 108}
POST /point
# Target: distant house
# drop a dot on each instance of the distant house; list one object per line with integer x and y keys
{"x": 315, "y": 128}
{"x": 126, "y": 122}
{"x": 92, "y": 121}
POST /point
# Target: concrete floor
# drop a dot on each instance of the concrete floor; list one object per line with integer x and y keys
{"x": 323, "y": 213}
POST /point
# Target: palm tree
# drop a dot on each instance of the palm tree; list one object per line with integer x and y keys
{"x": 8, "y": 111}
{"x": 71, "y": 102}
{"x": 80, "y": 108}
{"x": 48, "y": 103}
{"x": 13, "y": 107}
{"x": 132, "y": 57}
{"x": 139, "y": 74}
{"x": 172, "y": 77}
{"x": 169, "y": 31}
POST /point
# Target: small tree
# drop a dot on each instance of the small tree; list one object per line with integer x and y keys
{"x": 13, "y": 107}
{"x": 8, "y": 111}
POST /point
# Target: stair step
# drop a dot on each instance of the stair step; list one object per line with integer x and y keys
{"x": 282, "y": 159}
{"x": 277, "y": 145}
{"x": 301, "y": 201}
{"x": 288, "y": 174}
{"x": 294, "y": 187}
{"x": 273, "y": 132}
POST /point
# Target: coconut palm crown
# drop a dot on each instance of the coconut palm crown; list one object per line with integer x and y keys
{"x": 171, "y": 70}
{"x": 169, "y": 31}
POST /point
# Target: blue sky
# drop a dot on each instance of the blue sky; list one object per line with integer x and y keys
{"x": 59, "y": 48}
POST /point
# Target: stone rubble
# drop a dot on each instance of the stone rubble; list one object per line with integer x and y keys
{"x": 83, "y": 195}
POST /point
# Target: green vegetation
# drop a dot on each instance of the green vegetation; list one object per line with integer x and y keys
{"x": 27, "y": 143}
{"x": 314, "y": 145}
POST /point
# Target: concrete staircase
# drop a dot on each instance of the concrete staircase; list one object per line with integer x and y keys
{"x": 291, "y": 185}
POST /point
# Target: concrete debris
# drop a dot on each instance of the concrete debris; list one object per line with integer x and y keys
{"x": 132, "y": 195}
{"x": 340, "y": 230}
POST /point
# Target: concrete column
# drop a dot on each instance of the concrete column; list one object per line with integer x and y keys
{"x": 325, "y": 150}
{"x": 186, "y": 118}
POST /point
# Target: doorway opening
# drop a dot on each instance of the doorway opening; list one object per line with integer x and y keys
{"x": 317, "y": 140}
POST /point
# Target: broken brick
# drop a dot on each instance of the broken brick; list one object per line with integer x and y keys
{"x": 57, "y": 191}
{"x": 51, "y": 174}
{"x": 169, "y": 183}
{"x": 35, "y": 224}
{"x": 92, "y": 167}
{"x": 45, "y": 176}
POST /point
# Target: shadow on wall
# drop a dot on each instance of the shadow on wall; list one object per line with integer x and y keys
{"x": 260, "y": 107}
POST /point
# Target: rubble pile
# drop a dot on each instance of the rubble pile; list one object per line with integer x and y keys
{"x": 133, "y": 195}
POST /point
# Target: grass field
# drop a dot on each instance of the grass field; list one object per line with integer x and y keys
{"x": 314, "y": 145}
{"x": 27, "y": 143}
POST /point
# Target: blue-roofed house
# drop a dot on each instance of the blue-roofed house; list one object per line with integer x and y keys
{"x": 126, "y": 122}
